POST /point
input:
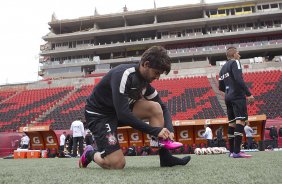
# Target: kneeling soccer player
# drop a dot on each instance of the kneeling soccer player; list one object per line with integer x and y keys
{"x": 124, "y": 97}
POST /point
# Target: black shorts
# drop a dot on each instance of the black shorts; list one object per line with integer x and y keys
{"x": 237, "y": 110}
{"x": 104, "y": 129}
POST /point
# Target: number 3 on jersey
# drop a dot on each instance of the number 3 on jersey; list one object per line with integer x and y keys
{"x": 108, "y": 127}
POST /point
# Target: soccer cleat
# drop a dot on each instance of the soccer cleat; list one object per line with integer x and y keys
{"x": 169, "y": 144}
{"x": 167, "y": 160}
{"x": 241, "y": 155}
{"x": 230, "y": 155}
{"x": 174, "y": 161}
{"x": 83, "y": 162}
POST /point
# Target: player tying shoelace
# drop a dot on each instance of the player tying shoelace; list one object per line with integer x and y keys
{"x": 125, "y": 97}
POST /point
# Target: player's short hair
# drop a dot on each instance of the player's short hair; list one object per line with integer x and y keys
{"x": 230, "y": 52}
{"x": 158, "y": 58}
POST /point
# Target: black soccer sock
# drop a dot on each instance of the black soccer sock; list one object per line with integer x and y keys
{"x": 238, "y": 137}
{"x": 231, "y": 138}
{"x": 167, "y": 160}
{"x": 90, "y": 155}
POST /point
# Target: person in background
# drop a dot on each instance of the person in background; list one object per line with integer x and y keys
{"x": 273, "y": 135}
{"x": 21, "y": 142}
{"x": 88, "y": 138}
{"x": 62, "y": 144}
{"x": 219, "y": 136}
{"x": 249, "y": 135}
{"x": 77, "y": 128}
{"x": 208, "y": 135}
{"x": 24, "y": 142}
{"x": 69, "y": 143}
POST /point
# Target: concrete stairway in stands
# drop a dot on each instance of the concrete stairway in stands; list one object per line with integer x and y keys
{"x": 55, "y": 106}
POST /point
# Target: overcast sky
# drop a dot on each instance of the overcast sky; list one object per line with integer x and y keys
{"x": 24, "y": 22}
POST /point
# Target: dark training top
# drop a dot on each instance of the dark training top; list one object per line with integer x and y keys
{"x": 231, "y": 81}
{"x": 116, "y": 93}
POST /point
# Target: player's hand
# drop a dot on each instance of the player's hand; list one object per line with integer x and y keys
{"x": 164, "y": 133}
{"x": 251, "y": 99}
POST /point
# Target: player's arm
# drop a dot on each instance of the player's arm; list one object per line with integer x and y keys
{"x": 252, "y": 131}
{"x": 221, "y": 85}
{"x": 124, "y": 115}
{"x": 238, "y": 76}
{"x": 152, "y": 94}
{"x": 205, "y": 134}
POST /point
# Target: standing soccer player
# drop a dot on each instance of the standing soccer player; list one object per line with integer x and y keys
{"x": 231, "y": 82}
{"x": 125, "y": 97}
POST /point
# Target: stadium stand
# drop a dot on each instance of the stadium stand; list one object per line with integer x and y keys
{"x": 186, "y": 98}
{"x": 26, "y": 106}
{"x": 266, "y": 87}
{"x": 189, "y": 98}
{"x": 193, "y": 98}
{"x": 6, "y": 94}
{"x": 71, "y": 109}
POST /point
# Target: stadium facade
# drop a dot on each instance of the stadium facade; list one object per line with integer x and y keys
{"x": 196, "y": 35}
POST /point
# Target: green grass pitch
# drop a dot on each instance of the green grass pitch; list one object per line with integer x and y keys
{"x": 264, "y": 167}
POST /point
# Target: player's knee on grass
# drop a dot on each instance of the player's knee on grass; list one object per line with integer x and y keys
{"x": 119, "y": 164}
{"x": 114, "y": 160}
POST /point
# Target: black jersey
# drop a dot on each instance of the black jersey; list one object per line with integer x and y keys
{"x": 118, "y": 91}
{"x": 231, "y": 81}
